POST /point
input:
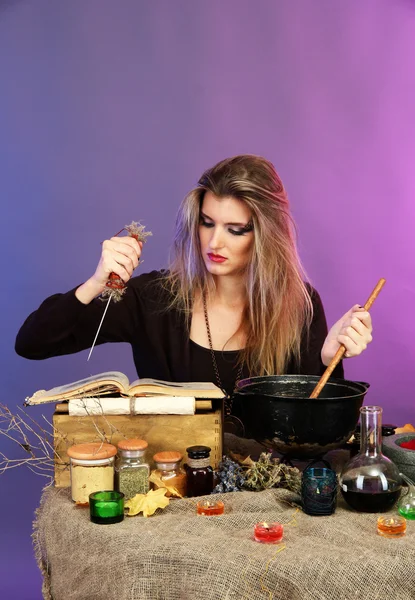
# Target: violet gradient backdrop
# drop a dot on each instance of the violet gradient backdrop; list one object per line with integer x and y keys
{"x": 109, "y": 112}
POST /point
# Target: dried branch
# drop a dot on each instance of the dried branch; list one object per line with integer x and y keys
{"x": 43, "y": 445}
{"x": 35, "y": 441}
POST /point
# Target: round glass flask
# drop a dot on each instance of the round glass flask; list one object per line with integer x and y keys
{"x": 406, "y": 505}
{"x": 370, "y": 482}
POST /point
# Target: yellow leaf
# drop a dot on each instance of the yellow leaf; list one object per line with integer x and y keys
{"x": 134, "y": 504}
{"x": 147, "y": 503}
{"x": 158, "y": 481}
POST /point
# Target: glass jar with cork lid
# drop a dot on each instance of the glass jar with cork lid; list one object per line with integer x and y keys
{"x": 92, "y": 469}
{"x": 131, "y": 470}
{"x": 199, "y": 471}
{"x": 169, "y": 473}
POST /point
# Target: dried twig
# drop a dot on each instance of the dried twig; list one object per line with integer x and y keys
{"x": 35, "y": 441}
{"x": 42, "y": 446}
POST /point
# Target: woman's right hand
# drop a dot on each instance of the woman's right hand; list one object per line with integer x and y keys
{"x": 119, "y": 255}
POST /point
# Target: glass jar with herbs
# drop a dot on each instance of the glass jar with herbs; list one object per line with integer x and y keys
{"x": 131, "y": 469}
{"x": 169, "y": 473}
{"x": 92, "y": 469}
{"x": 199, "y": 471}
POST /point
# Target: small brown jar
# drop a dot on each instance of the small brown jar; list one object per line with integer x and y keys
{"x": 92, "y": 469}
{"x": 169, "y": 471}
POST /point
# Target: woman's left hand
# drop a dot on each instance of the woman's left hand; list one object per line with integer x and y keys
{"x": 353, "y": 330}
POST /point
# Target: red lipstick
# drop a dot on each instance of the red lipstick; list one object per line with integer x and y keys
{"x": 216, "y": 258}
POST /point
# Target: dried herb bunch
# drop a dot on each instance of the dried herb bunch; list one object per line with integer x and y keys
{"x": 247, "y": 474}
{"x": 230, "y": 475}
{"x": 269, "y": 472}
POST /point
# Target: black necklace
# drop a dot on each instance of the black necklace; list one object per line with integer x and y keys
{"x": 228, "y": 400}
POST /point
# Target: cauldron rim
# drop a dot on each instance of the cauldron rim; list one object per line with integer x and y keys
{"x": 241, "y": 387}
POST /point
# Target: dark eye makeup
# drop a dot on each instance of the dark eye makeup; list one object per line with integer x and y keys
{"x": 248, "y": 227}
{"x": 205, "y": 223}
{"x": 240, "y": 231}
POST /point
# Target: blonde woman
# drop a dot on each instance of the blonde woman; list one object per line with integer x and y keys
{"x": 233, "y": 302}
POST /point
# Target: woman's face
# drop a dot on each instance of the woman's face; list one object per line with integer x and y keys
{"x": 226, "y": 234}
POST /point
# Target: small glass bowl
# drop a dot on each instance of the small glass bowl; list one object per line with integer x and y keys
{"x": 268, "y": 533}
{"x": 106, "y": 507}
{"x": 209, "y": 508}
{"x": 391, "y": 527}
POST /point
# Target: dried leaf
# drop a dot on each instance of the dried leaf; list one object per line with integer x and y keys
{"x": 147, "y": 503}
{"x": 248, "y": 462}
{"x": 408, "y": 427}
{"x": 158, "y": 481}
{"x": 243, "y": 460}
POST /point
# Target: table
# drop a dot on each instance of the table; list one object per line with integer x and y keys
{"x": 176, "y": 555}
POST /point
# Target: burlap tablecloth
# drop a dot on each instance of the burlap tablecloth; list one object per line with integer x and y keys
{"x": 178, "y": 555}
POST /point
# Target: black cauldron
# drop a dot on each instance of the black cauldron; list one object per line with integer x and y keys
{"x": 276, "y": 411}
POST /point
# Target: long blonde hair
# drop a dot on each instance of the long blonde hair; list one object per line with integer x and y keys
{"x": 279, "y": 306}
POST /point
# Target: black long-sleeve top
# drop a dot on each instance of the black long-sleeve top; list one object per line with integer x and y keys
{"x": 158, "y": 335}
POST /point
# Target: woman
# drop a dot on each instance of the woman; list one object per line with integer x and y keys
{"x": 233, "y": 302}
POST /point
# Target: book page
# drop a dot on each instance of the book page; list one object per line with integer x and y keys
{"x": 103, "y": 382}
{"x": 187, "y": 385}
{"x": 156, "y": 387}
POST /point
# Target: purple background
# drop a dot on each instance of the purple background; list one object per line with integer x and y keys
{"x": 110, "y": 111}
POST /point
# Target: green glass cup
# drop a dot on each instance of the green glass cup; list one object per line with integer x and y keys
{"x": 106, "y": 507}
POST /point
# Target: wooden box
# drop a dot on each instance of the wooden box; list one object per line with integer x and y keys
{"x": 162, "y": 432}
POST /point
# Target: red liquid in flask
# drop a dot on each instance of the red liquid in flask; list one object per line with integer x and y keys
{"x": 371, "y": 502}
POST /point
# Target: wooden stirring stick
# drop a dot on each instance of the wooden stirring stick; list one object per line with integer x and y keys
{"x": 337, "y": 357}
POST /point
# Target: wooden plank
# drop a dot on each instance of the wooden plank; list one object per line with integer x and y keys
{"x": 162, "y": 432}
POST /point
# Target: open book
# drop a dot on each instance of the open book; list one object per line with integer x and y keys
{"x": 114, "y": 382}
